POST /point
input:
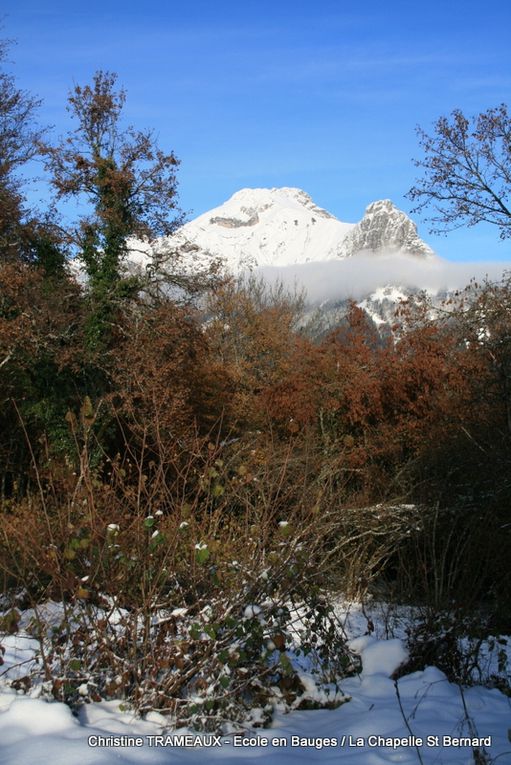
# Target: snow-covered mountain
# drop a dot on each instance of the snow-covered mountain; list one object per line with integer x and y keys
{"x": 265, "y": 227}
{"x": 283, "y": 226}
{"x": 283, "y": 235}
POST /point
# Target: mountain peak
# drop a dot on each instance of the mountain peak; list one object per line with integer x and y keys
{"x": 261, "y": 199}
{"x": 265, "y": 227}
{"x": 385, "y": 228}
{"x": 381, "y": 207}
{"x": 283, "y": 226}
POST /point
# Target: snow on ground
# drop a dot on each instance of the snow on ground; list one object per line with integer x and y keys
{"x": 417, "y": 722}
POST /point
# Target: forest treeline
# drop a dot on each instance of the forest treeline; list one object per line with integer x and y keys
{"x": 197, "y": 447}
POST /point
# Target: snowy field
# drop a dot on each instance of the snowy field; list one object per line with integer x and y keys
{"x": 419, "y": 719}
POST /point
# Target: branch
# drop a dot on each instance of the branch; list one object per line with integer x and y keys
{"x": 6, "y": 360}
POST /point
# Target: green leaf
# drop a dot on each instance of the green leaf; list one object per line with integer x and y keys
{"x": 285, "y": 663}
{"x": 218, "y": 490}
{"x": 195, "y": 631}
{"x": 201, "y": 555}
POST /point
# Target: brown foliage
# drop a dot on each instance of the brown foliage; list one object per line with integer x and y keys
{"x": 165, "y": 381}
{"x": 383, "y": 404}
{"x": 37, "y": 317}
{"x": 252, "y": 334}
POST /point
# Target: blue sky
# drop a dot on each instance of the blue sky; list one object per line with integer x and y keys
{"x": 324, "y": 96}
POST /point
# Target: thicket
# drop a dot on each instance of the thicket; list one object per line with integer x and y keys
{"x": 189, "y": 479}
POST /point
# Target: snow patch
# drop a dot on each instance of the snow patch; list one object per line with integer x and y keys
{"x": 382, "y": 656}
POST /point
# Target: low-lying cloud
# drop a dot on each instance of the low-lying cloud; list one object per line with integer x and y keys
{"x": 358, "y": 276}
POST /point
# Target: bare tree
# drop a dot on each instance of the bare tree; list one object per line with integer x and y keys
{"x": 466, "y": 171}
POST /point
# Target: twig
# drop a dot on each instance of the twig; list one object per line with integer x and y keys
{"x": 6, "y": 360}
{"x": 406, "y": 721}
{"x": 481, "y": 756}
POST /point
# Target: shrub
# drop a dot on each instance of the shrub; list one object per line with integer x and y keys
{"x": 199, "y": 592}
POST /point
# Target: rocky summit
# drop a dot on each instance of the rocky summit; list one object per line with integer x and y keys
{"x": 384, "y": 228}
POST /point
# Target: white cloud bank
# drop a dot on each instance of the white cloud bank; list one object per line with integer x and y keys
{"x": 359, "y": 276}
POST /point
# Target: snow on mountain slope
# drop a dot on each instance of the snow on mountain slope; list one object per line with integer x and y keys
{"x": 257, "y": 228}
{"x": 381, "y": 304}
{"x": 261, "y": 227}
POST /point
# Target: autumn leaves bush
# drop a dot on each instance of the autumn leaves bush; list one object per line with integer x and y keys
{"x": 195, "y": 588}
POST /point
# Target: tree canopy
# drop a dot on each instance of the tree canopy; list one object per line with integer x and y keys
{"x": 127, "y": 184}
{"x": 19, "y": 135}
